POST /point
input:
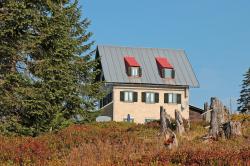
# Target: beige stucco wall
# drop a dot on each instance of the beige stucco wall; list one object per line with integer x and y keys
{"x": 141, "y": 111}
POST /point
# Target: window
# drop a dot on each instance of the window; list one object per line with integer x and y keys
{"x": 172, "y": 98}
{"x": 166, "y": 70}
{"x": 128, "y": 96}
{"x": 126, "y": 120}
{"x": 167, "y": 73}
{"x": 134, "y": 71}
{"x": 150, "y": 97}
{"x": 149, "y": 120}
{"x": 133, "y": 68}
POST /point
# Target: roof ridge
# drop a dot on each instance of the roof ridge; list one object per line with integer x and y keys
{"x": 139, "y": 47}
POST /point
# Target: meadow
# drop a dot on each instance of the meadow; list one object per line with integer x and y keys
{"x": 113, "y": 143}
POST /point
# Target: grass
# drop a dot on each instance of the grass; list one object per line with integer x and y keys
{"x": 115, "y": 143}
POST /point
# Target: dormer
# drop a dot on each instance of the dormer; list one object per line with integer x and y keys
{"x": 166, "y": 70}
{"x": 133, "y": 68}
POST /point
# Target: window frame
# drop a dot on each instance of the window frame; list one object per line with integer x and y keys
{"x": 147, "y": 120}
{"x": 131, "y": 96}
{"x": 175, "y": 99}
{"x": 134, "y": 71}
{"x": 172, "y": 73}
{"x": 152, "y": 96}
{"x": 132, "y": 120}
{"x": 145, "y": 100}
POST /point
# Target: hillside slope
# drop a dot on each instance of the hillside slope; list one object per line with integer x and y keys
{"x": 122, "y": 144}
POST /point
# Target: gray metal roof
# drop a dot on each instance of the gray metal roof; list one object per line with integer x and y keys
{"x": 114, "y": 70}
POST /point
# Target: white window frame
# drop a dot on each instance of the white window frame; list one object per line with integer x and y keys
{"x": 128, "y": 96}
{"x": 135, "y": 71}
{"x": 150, "y": 97}
{"x": 172, "y": 98}
{"x": 132, "y": 119}
{"x": 149, "y": 120}
{"x": 167, "y": 71}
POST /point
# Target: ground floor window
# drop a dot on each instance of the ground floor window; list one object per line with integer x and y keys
{"x": 126, "y": 120}
{"x": 172, "y": 98}
{"x": 150, "y": 97}
{"x": 128, "y": 96}
{"x": 149, "y": 120}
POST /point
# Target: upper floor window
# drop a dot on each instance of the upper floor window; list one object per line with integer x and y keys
{"x": 172, "y": 98}
{"x": 166, "y": 70}
{"x": 150, "y": 97}
{"x": 168, "y": 73}
{"x": 132, "y": 66}
{"x": 128, "y": 96}
{"x": 134, "y": 71}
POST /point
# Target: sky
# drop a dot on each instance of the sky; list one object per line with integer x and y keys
{"x": 215, "y": 35}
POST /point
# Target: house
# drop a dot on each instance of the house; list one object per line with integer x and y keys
{"x": 195, "y": 114}
{"x": 140, "y": 80}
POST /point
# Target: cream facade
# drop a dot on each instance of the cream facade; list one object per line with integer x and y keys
{"x": 141, "y": 111}
{"x": 141, "y": 80}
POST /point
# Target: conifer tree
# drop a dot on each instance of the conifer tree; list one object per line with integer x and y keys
{"x": 244, "y": 100}
{"x": 47, "y": 69}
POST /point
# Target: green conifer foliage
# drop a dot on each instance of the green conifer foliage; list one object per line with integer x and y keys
{"x": 47, "y": 72}
{"x": 244, "y": 100}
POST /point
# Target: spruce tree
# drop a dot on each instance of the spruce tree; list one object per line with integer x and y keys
{"x": 244, "y": 100}
{"x": 56, "y": 79}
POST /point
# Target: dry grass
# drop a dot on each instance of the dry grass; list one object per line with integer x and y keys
{"x": 122, "y": 144}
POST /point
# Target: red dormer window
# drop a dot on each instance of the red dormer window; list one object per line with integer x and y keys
{"x": 166, "y": 70}
{"x": 133, "y": 68}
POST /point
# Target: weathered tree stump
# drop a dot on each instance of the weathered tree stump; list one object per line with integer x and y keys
{"x": 236, "y": 128}
{"x": 232, "y": 129}
{"x": 179, "y": 121}
{"x": 170, "y": 139}
{"x": 163, "y": 120}
{"x": 220, "y": 124}
{"x": 214, "y": 128}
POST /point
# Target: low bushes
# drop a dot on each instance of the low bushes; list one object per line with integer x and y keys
{"x": 120, "y": 144}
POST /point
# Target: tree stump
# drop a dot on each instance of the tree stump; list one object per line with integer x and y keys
{"x": 220, "y": 124}
{"x": 163, "y": 120}
{"x": 232, "y": 129}
{"x": 170, "y": 139}
{"x": 179, "y": 121}
{"x": 214, "y": 128}
{"x": 235, "y": 128}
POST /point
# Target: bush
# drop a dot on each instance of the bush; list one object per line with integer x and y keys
{"x": 113, "y": 143}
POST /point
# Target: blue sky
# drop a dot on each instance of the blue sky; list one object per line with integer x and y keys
{"x": 215, "y": 35}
